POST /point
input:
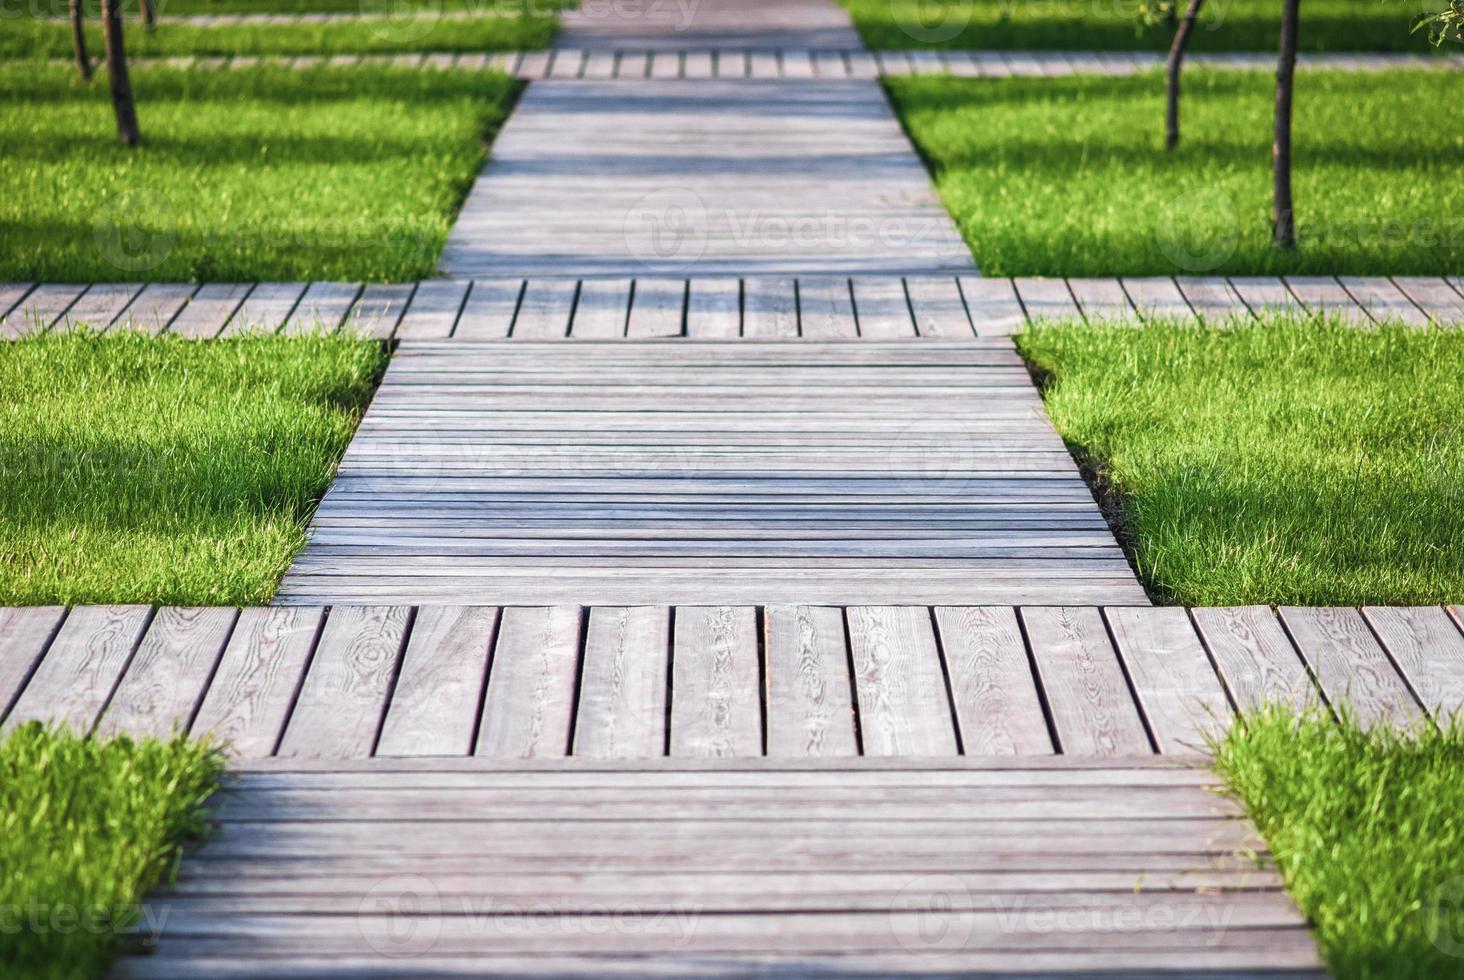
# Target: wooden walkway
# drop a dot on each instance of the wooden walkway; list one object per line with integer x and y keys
{"x": 864, "y": 307}
{"x": 469, "y": 868}
{"x": 715, "y": 683}
{"x": 611, "y": 25}
{"x": 595, "y": 178}
{"x": 736, "y": 472}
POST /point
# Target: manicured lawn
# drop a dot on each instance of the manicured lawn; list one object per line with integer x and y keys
{"x": 1366, "y": 828}
{"x": 353, "y": 173}
{"x": 145, "y": 469}
{"x": 1239, "y": 25}
{"x": 1294, "y": 461}
{"x": 1067, "y": 176}
{"x": 88, "y": 827}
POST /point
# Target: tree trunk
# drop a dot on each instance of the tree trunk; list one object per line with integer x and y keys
{"x": 150, "y": 14}
{"x": 117, "y": 73}
{"x": 1283, "y": 217}
{"x": 78, "y": 40}
{"x": 1172, "y": 67}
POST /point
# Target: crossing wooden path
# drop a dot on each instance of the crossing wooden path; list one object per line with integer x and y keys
{"x": 778, "y": 685}
{"x": 607, "y": 25}
{"x": 720, "y": 308}
{"x": 667, "y": 473}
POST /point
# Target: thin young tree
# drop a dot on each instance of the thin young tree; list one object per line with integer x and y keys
{"x": 1173, "y": 65}
{"x": 78, "y": 40}
{"x": 121, "y": 85}
{"x": 1283, "y": 212}
{"x": 150, "y": 14}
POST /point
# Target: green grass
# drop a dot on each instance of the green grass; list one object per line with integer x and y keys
{"x": 1366, "y": 828}
{"x": 86, "y": 828}
{"x": 146, "y": 469}
{"x": 1067, "y": 176}
{"x": 52, "y": 38}
{"x": 1293, "y": 461}
{"x": 1236, "y": 25}
{"x": 352, "y": 174}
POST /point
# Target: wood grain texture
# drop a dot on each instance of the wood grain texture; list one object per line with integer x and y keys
{"x": 1175, "y": 682}
{"x": 716, "y": 709}
{"x": 1255, "y": 657}
{"x": 434, "y": 705}
{"x": 997, "y": 704}
{"x": 904, "y": 707}
{"x": 1092, "y": 709}
{"x": 165, "y": 682}
{"x": 1428, "y": 649}
{"x": 1350, "y": 665}
{"x": 81, "y": 667}
{"x": 528, "y": 710}
{"x": 25, "y": 633}
{"x": 622, "y": 704}
{"x": 810, "y": 704}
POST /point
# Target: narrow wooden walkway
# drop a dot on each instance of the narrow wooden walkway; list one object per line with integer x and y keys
{"x": 864, "y": 307}
{"x": 1127, "y": 868}
{"x": 633, "y": 474}
{"x": 716, "y": 683}
{"x": 594, "y": 178}
{"x": 607, "y": 25}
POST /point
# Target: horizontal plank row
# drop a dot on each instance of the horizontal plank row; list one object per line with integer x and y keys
{"x": 723, "y": 308}
{"x": 801, "y": 63}
{"x": 800, "y": 684}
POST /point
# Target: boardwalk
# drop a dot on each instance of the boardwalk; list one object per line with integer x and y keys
{"x": 614, "y": 25}
{"x": 742, "y": 472}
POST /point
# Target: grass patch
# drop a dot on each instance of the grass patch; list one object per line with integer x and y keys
{"x": 1295, "y": 461}
{"x": 1068, "y": 176}
{"x": 154, "y": 469}
{"x": 1236, "y": 25}
{"x": 1365, "y": 826}
{"x": 88, "y": 827}
{"x": 352, "y": 174}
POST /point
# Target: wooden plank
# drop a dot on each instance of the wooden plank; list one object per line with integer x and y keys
{"x": 98, "y": 306}
{"x": 1172, "y": 676}
{"x": 545, "y": 310}
{"x": 634, "y": 64}
{"x": 600, "y": 64}
{"x": 1103, "y": 300}
{"x": 764, "y": 64}
{"x": 254, "y": 687}
{"x": 434, "y": 705}
{"x": 534, "y": 65}
{"x": 81, "y": 667}
{"x": 1158, "y": 298}
{"x": 830, "y": 64}
{"x": 731, "y": 64}
{"x": 434, "y": 309}
{"x": 903, "y": 705}
{"x": 1324, "y": 295}
{"x": 165, "y": 682}
{"x": 603, "y": 309}
{"x": 567, "y": 64}
{"x": 41, "y": 308}
{"x": 665, "y": 64}
{"x": 529, "y": 706}
{"x": 810, "y": 706}
{"x": 209, "y": 309}
{"x": 622, "y": 705}
{"x": 1383, "y": 301}
{"x": 798, "y": 63}
{"x": 882, "y": 308}
{"x": 1350, "y": 665}
{"x": 323, "y": 307}
{"x": 1047, "y": 299}
{"x": 488, "y": 312}
{"x": 265, "y": 310}
{"x": 698, "y": 64}
{"x": 769, "y": 308}
{"x": 826, "y": 308}
{"x": 1428, "y": 649}
{"x": 1434, "y": 295}
{"x": 716, "y": 711}
{"x": 379, "y": 309}
{"x": 1266, "y": 295}
{"x": 998, "y": 709}
{"x": 1093, "y": 711}
{"x": 25, "y": 633}
{"x": 11, "y": 293}
{"x": 657, "y": 308}
{"x": 345, "y": 691}
{"x": 1255, "y": 658}
{"x": 995, "y": 309}
{"x": 714, "y": 308}
{"x": 938, "y": 308}
{"x": 1213, "y": 299}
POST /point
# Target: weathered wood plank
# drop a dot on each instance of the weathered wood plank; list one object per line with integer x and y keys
{"x": 714, "y": 308}
{"x": 1047, "y": 299}
{"x": 657, "y": 308}
{"x": 716, "y": 711}
{"x": 622, "y": 706}
{"x": 254, "y": 687}
{"x": 1383, "y": 301}
{"x": 529, "y": 706}
{"x": 434, "y": 310}
{"x": 1434, "y": 295}
{"x": 25, "y": 633}
{"x": 1428, "y": 649}
{"x": 995, "y": 309}
{"x": 165, "y": 682}
{"x": 1093, "y": 711}
{"x": 98, "y": 306}
{"x": 810, "y": 708}
{"x": 379, "y": 309}
{"x": 882, "y": 308}
{"x": 488, "y": 312}
{"x": 769, "y": 308}
{"x": 1158, "y": 298}
{"x": 40, "y": 308}
{"x": 826, "y": 308}
{"x": 209, "y": 309}
{"x": 938, "y": 307}
{"x": 1214, "y": 300}
{"x": 1325, "y": 295}
{"x": 81, "y": 667}
{"x": 323, "y": 307}
{"x": 1175, "y": 683}
{"x": 903, "y": 705}
{"x": 1102, "y": 300}
{"x": 545, "y": 310}
{"x": 603, "y": 310}
{"x": 339, "y": 710}
{"x": 264, "y": 310}
{"x": 1266, "y": 295}
{"x": 998, "y": 709}
{"x": 1255, "y": 658}
{"x": 434, "y": 705}
{"x": 1350, "y": 665}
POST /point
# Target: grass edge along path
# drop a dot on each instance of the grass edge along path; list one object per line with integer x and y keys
{"x": 87, "y": 827}
{"x": 161, "y": 470}
{"x": 1365, "y": 826}
{"x": 1294, "y": 460}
